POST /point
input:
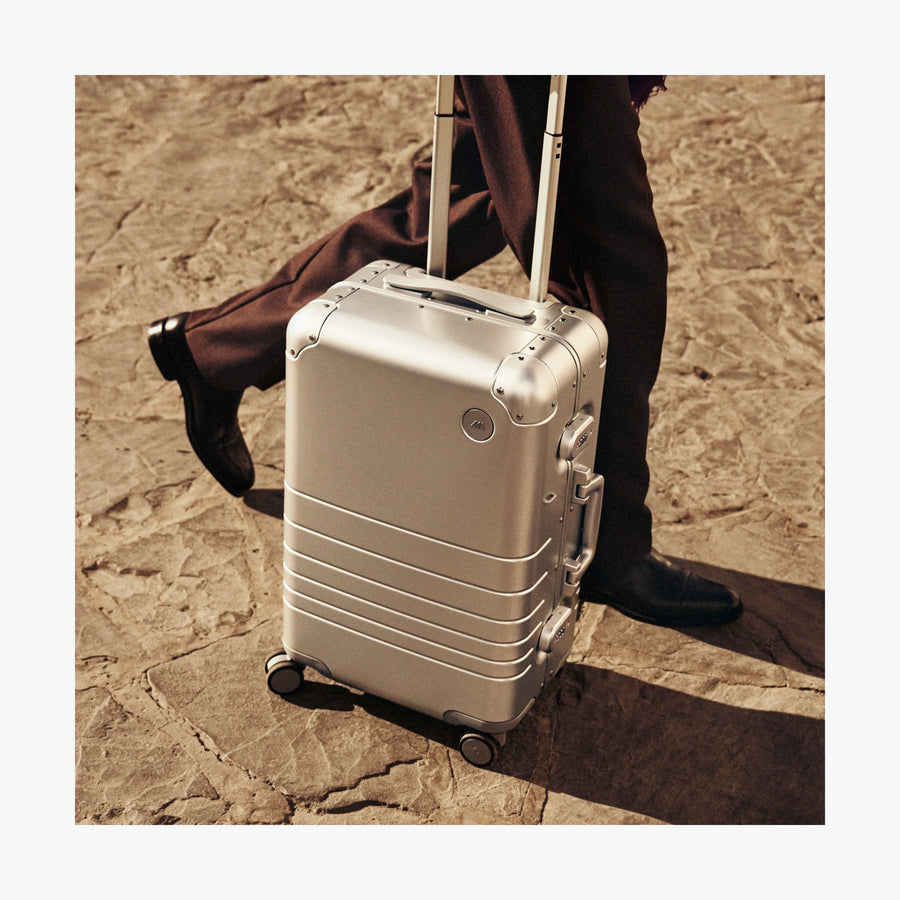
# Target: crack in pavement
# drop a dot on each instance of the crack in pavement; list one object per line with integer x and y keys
{"x": 116, "y": 229}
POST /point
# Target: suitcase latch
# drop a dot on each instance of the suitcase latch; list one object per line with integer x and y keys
{"x": 555, "y": 629}
{"x": 576, "y": 437}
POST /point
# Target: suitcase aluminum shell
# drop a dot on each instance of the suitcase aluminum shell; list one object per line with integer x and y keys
{"x": 439, "y": 497}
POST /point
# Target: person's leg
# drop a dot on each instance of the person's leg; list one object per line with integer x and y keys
{"x": 608, "y": 256}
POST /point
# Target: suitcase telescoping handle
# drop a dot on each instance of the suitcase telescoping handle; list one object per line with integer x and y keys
{"x": 441, "y": 165}
{"x": 439, "y": 208}
{"x": 547, "y": 187}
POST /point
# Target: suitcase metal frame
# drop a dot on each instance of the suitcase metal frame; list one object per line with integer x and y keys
{"x": 440, "y": 503}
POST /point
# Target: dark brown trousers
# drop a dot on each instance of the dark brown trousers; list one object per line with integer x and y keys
{"x": 608, "y": 256}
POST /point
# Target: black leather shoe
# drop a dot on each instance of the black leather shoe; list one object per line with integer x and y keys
{"x": 210, "y": 414}
{"x": 653, "y": 589}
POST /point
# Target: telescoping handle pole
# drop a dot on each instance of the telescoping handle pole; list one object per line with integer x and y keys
{"x": 442, "y": 156}
{"x": 547, "y": 187}
{"x": 441, "y": 162}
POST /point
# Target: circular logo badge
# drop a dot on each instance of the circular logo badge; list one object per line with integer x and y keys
{"x": 477, "y": 424}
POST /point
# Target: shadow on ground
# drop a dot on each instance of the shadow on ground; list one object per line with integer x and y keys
{"x": 620, "y": 742}
{"x": 783, "y": 623}
{"x": 269, "y": 501}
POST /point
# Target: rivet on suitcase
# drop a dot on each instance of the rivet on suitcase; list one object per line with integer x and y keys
{"x": 440, "y": 503}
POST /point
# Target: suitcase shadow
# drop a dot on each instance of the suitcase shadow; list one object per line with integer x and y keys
{"x": 608, "y": 738}
{"x": 318, "y": 694}
{"x": 619, "y": 742}
{"x": 604, "y": 739}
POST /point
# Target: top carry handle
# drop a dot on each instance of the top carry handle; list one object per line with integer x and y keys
{"x": 439, "y": 209}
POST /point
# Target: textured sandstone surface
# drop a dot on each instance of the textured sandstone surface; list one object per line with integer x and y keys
{"x": 189, "y": 189}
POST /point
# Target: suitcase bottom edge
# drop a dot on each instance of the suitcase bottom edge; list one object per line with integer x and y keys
{"x": 435, "y": 708}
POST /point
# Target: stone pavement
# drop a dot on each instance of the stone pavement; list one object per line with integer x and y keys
{"x": 189, "y": 189}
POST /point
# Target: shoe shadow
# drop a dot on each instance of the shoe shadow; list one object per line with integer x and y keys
{"x": 782, "y": 623}
{"x": 269, "y": 501}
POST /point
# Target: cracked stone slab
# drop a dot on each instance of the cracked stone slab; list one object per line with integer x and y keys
{"x": 320, "y": 743}
{"x": 602, "y": 736}
{"x": 158, "y": 781}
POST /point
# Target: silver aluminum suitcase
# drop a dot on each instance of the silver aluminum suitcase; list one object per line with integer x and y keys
{"x": 440, "y": 504}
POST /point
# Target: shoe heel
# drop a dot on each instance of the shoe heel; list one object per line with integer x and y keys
{"x": 162, "y": 356}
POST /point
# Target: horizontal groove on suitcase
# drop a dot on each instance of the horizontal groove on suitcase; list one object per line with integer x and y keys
{"x": 501, "y": 574}
{"x": 344, "y": 558}
{"x": 400, "y": 641}
{"x": 485, "y": 613}
{"x": 410, "y": 582}
{"x": 507, "y": 578}
{"x": 332, "y": 603}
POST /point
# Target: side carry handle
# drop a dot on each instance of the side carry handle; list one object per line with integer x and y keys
{"x": 589, "y": 493}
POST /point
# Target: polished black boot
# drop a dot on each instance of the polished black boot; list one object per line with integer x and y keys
{"x": 653, "y": 589}
{"x": 210, "y": 414}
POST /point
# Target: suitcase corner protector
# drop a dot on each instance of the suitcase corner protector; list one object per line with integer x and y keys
{"x": 454, "y": 717}
{"x": 305, "y": 325}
